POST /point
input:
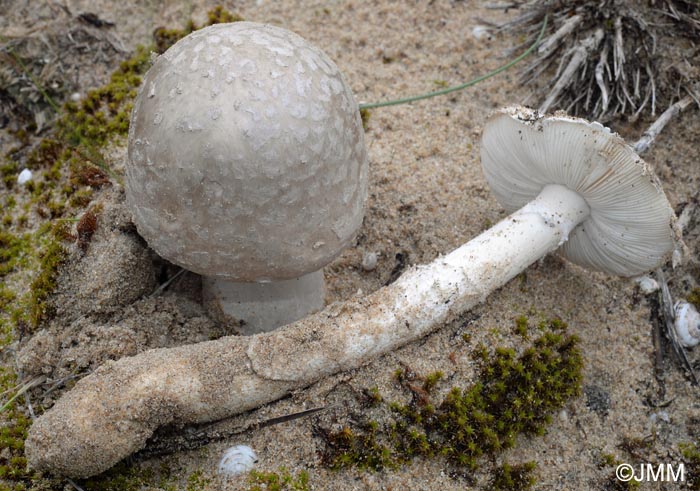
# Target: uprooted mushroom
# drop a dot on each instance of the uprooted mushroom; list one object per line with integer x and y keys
{"x": 572, "y": 183}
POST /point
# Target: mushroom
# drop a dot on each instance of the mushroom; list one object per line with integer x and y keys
{"x": 574, "y": 180}
{"x": 247, "y": 165}
{"x": 576, "y": 185}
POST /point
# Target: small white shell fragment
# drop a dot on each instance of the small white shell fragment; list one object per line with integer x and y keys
{"x": 24, "y": 177}
{"x": 369, "y": 261}
{"x": 237, "y": 460}
{"x": 687, "y": 323}
{"x": 481, "y": 32}
{"x": 647, "y": 284}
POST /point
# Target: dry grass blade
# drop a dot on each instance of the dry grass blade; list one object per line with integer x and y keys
{"x": 22, "y": 390}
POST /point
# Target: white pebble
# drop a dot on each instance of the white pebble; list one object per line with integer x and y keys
{"x": 24, "y": 176}
{"x": 237, "y": 460}
{"x": 687, "y": 323}
{"x": 481, "y": 32}
{"x": 369, "y": 261}
{"x": 647, "y": 284}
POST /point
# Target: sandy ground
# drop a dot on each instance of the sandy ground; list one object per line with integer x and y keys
{"x": 427, "y": 195}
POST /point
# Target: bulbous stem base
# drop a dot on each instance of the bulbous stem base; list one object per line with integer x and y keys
{"x": 263, "y": 307}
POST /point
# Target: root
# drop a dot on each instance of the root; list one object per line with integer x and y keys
{"x": 653, "y": 131}
{"x": 624, "y": 73}
{"x": 579, "y": 57}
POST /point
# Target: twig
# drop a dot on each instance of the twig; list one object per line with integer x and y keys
{"x": 74, "y": 484}
{"x": 167, "y": 283}
{"x": 552, "y": 42}
{"x": 600, "y": 79}
{"x": 653, "y": 131}
{"x": 580, "y": 55}
{"x": 618, "y": 51}
{"x": 195, "y": 437}
{"x": 24, "y": 388}
{"x": 503, "y": 5}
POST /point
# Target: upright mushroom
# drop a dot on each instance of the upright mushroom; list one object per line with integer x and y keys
{"x": 247, "y": 165}
{"x": 574, "y": 180}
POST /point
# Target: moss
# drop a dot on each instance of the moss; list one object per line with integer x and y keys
{"x": 104, "y": 112}
{"x": 431, "y": 380}
{"x": 7, "y": 296}
{"x": 121, "y": 477}
{"x": 8, "y": 172}
{"x": 521, "y": 326}
{"x": 197, "y": 482}
{"x": 46, "y": 154}
{"x": 81, "y": 198}
{"x": 694, "y": 297}
{"x": 14, "y": 250}
{"x": 282, "y": 480}
{"x": 359, "y": 448}
{"x": 612, "y": 482}
{"x": 519, "y": 477}
{"x": 10, "y": 203}
{"x": 691, "y": 458}
{"x": 86, "y": 227}
{"x": 51, "y": 258}
{"x": 164, "y": 38}
{"x": 219, "y": 15}
{"x": 13, "y": 465}
{"x": 514, "y": 394}
{"x": 372, "y": 396}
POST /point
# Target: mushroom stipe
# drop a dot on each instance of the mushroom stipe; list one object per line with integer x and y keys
{"x": 112, "y": 412}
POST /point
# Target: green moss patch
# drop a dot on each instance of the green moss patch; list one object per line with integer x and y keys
{"x": 278, "y": 481}
{"x": 520, "y": 477}
{"x": 515, "y": 394}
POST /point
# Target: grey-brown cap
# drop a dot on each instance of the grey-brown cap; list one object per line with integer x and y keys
{"x": 246, "y": 155}
{"x": 631, "y": 228}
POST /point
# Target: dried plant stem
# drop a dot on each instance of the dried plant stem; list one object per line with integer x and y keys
{"x": 578, "y": 58}
{"x": 552, "y": 42}
{"x": 653, "y": 131}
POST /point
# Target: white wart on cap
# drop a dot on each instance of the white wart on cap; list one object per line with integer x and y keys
{"x": 630, "y": 227}
{"x": 247, "y": 161}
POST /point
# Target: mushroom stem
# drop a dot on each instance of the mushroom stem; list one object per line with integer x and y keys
{"x": 112, "y": 412}
{"x": 264, "y": 306}
{"x": 499, "y": 254}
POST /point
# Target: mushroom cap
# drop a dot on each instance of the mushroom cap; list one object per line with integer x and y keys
{"x": 246, "y": 155}
{"x": 631, "y": 228}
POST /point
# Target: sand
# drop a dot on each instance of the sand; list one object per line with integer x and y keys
{"x": 427, "y": 195}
